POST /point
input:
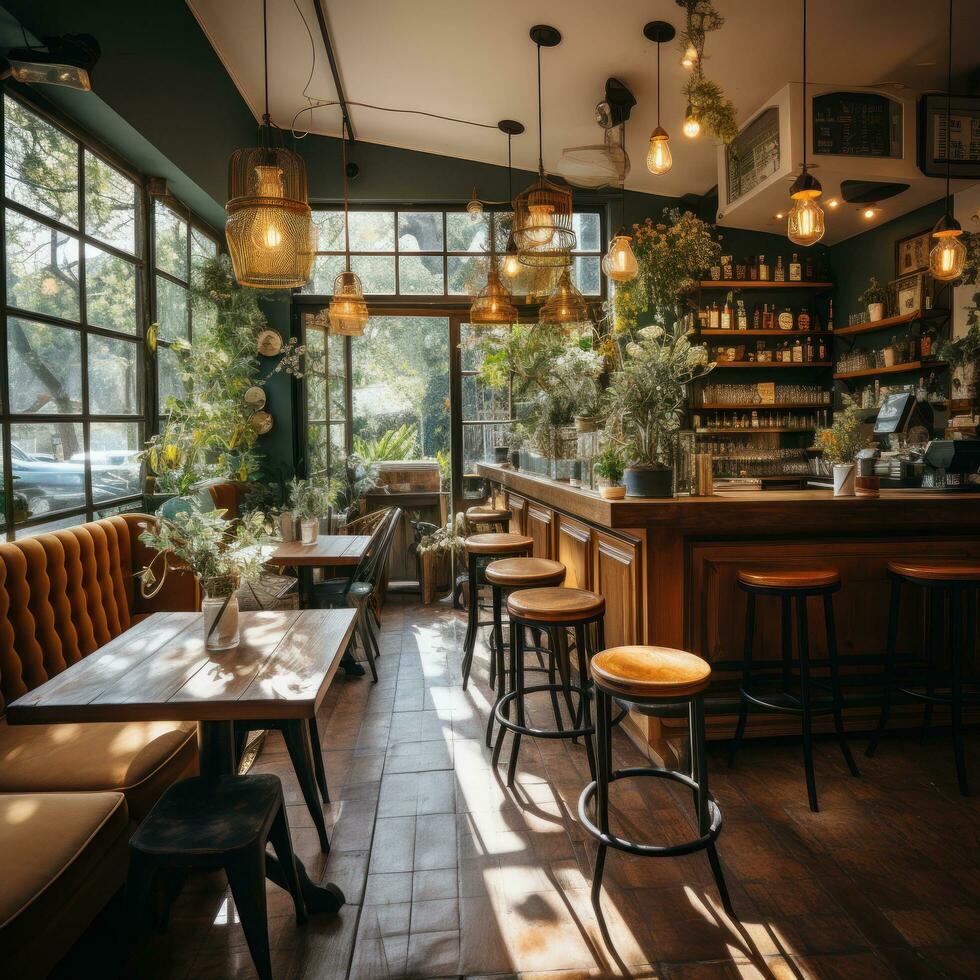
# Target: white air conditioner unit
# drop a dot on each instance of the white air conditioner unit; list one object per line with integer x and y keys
{"x": 856, "y": 136}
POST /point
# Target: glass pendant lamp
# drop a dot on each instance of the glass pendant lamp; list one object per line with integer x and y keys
{"x": 805, "y": 225}
{"x": 659, "y": 160}
{"x": 947, "y": 258}
{"x": 692, "y": 125}
{"x": 270, "y": 231}
{"x": 348, "y": 312}
{"x": 619, "y": 263}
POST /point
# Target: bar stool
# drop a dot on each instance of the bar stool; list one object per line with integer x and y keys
{"x": 481, "y": 549}
{"x": 554, "y": 612}
{"x": 643, "y": 678}
{"x": 955, "y": 583}
{"x": 505, "y": 575}
{"x": 487, "y": 519}
{"x": 789, "y": 584}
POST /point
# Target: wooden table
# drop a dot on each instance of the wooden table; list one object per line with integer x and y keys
{"x": 159, "y": 670}
{"x": 330, "y": 550}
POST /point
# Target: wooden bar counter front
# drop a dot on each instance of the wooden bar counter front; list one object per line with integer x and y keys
{"x": 667, "y": 570}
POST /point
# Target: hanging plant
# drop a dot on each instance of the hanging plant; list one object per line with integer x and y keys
{"x": 713, "y": 109}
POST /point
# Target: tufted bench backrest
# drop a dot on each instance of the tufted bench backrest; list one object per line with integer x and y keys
{"x": 66, "y": 593}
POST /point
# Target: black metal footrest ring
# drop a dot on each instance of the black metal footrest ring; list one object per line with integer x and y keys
{"x": 513, "y": 726}
{"x": 968, "y": 700}
{"x": 649, "y": 850}
{"x": 820, "y": 708}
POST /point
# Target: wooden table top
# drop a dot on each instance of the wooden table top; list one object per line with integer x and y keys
{"x": 159, "y": 670}
{"x": 330, "y": 549}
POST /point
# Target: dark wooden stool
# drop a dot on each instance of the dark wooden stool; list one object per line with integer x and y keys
{"x": 643, "y": 678}
{"x": 503, "y": 576}
{"x": 487, "y": 519}
{"x": 222, "y": 822}
{"x": 789, "y": 584}
{"x": 481, "y": 549}
{"x": 952, "y": 589}
{"x": 553, "y": 612}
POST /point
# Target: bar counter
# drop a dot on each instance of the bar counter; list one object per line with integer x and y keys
{"x": 667, "y": 570}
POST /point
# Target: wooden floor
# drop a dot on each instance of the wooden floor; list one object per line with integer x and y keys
{"x": 448, "y": 874}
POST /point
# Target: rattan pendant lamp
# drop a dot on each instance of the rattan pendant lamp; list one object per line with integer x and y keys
{"x": 348, "y": 313}
{"x": 270, "y": 231}
{"x": 542, "y": 226}
{"x": 566, "y": 306}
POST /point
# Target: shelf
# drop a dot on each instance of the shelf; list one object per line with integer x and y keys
{"x": 755, "y": 284}
{"x": 753, "y": 431}
{"x": 773, "y": 364}
{"x": 870, "y": 326}
{"x": 894, "y": 369}
{"x": 740, "y": 407}
{"x": 765, "y": 333}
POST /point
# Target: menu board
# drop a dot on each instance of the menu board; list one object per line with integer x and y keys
{"x": 960, "y": 124}
{"x": 859, "y": 124}
{"x": 753, "y": 155}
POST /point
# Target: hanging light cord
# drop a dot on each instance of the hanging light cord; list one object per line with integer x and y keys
{"x": 343, "y": 153}
{"x": 510, "y": 181}
{"x": 804, "y": 86}
{"x": 658, "y": 85}
{"x": 265, "y": 58}
{"x": 540, "y": 138}
{"x": 949, "y": 86}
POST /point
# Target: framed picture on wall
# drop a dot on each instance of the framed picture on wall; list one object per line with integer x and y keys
{"x": 907, "y": 294}
{"x": 912, "y": 253}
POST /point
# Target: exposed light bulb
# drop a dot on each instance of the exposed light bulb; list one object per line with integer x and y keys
{"x": 806, "y": 223}
{"x": 619, "y": 263}
{"x": 948, "y": 256}
{"x": 690, "y": 56}
{"x": 870, "y": 212}
{"x": 833, "y": 203}
{"x": 692, "y": 126}
{"x": 511, "y": 266}
{"x": 540, "y": 225}
{"x": 659, "y": 160}
{"x": 475, "y": 207}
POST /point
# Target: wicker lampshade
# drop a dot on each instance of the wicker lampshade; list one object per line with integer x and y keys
{"x": 542, "y": 224}
{"x": 270, "y": 230}
{"x": 493, "y": 303}
{"x": 348, "y": 312}
{"x": 566, "y": 305}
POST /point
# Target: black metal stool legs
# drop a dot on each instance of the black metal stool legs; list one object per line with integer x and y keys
{"x": 743, "y": 708}
{"x": 956, "y": 685}
{"x": 472, "y": 620}
{"x": 804, "y": 658}
{"x": 603, "y": 734}
{"x": 828, "y": 612}
{"x": 890, "y": 654}
{"x": 296, "y": 734}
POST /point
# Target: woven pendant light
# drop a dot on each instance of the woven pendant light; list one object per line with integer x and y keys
{"x": 566, "y": 306}
{"x": 493, "y": 303}
{"x": 542, "y": 228}
{"x": 270, "y": 231}
{"x": 348, "y": 311}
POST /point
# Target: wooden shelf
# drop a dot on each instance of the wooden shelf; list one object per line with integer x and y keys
{"x": 871, "y": 326}
{"x": 716, "y": 407}
{"x": 752, "y": 431}
{"x": 765, "y": 333}
{"x": 894, "y": 369}
{"x": 755, "y": 284}
{"x": 773, "y": 364}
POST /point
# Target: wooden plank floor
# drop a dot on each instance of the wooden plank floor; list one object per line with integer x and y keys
{"x": 449, "y": 874}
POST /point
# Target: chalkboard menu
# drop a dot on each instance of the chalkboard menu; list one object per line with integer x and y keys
{"x": 753, "y": 155}
{"x": 858, "y": 124}
{"x": 959, "y": 124}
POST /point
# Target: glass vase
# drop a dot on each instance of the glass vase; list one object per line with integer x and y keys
{"x": 219, "y": 605}
{"x": 308, "y": 530}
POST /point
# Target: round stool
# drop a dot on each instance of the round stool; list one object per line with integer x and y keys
{"x": 947, "y": 585}
{"x": 554, "y": 612}
{"x": 487, "y": 520}
{"x": 788, "y": 584}
{"x": 481, "y": 549}
{"x": 643, "y": 678}
{"x": 507, "y": 574}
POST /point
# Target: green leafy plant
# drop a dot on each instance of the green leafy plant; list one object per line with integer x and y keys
{"x": 358, "y": 478}
{"x": 311, "y": 499}
{"x": 608, "y": 465}
{"x": 446, "y": 540}
{"x": 844, "y": 439}
{"x": 400, "y": 443}
{"x": 874, "y": 293}
{"x": 965, "y": 349}
{"x": 712, "y": 108}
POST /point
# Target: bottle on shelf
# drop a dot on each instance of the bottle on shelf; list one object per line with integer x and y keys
{"x": 727, "y": 270}
{"x": 742, "y": 270}
{"x": 767, "y": 318}
{"x": 830, "y": 315}
{"x": 821, "y": 350}
{"x": 741, "y": 317}
{"x": 786, "y": 319}
{"x": 753, "y": 269}
{"x": 714, "y": 316}
{"x": 797, "y": 355}
{"x": 726, "y": 313}
{"x": 803, "y": 320}
{"x": 795, "y": 269}
{"x": 763, "y": 269}
{"x": 925, "y": 345}
{"x": 756, "y": 317}
{"x": 780, "y": 273}
{"x": 808, "y": 350}
{"x": 808, "y": 269}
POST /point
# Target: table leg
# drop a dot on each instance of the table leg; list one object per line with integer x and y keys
{"x": 216, "y": 740}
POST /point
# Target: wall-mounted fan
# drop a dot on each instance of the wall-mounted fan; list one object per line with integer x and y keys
{"x": 604, "y": 164}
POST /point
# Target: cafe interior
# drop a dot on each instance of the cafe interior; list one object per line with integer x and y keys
{"x": 489, "y": 490}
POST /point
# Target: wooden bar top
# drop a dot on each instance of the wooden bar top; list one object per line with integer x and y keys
{"x": 774, "y": 512}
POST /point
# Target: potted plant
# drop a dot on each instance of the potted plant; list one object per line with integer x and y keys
{"x": 221, "y": 553}
{"x": 608, "y": 466}
{"x": 435, "y": 548}
{"x": 840, "y": 444}
{"x": 645, "y": 403}
{"x": 873, "y": 299}
{"x": 310, "y": 500}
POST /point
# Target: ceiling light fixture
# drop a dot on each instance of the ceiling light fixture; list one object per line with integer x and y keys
{"x": 543, "y": 224}
{"x": 692, "y": 125}
{"x": 68, "y": 62}
{"x": 948, "y": 256}
{"x": 659, "y": 160}
{"x": 690, "y": 58}
{"x": 619, "y": 263}
{"x": 566, "y": 306}
{"x": 779, "y": 215}
{"x": 806, "y": 222}
{"x": 493, "y": 304}
{"x": 870, "y": 212}
{"x": 833, "y": 203}
{"x": 348, "y": 312}
{"x": 510, "y": 266}
{"x": 475, "y": 207}
{"x": 270, "y": 230}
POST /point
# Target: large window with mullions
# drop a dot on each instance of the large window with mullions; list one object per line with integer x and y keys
{"x": 71, "y": 412}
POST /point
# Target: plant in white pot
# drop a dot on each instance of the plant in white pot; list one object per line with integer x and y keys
{"x": 873, "y": 299}
{"x": 608, "y": 466}
{"x": 840, "y": 444}
{"x": 645, "y": 404}
{"x": 310, "y": 500}
{"x": 221, "y": 553}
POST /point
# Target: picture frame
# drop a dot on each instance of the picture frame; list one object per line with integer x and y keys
{"x": 912, "y": 253}
{"x": 907, "y": 294}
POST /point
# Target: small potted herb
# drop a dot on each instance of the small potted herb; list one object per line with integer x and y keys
{"x": 608, "y": 467}
{"x": 310, "y": 500}
{"x": 873, "y": 299}
{"x": 840, "y": 445}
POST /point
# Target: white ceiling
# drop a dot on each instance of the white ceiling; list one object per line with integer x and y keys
{"x": 474, "y": 60}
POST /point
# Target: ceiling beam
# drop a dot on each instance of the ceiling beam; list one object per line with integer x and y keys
{"x": 321, "y": 17}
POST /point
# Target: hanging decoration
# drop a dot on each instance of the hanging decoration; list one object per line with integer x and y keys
{"x": 708, "y": 107}
{"x": 947, "y": 258}
{"x": 619, "y": 263}
{"x": 805, "y": 225}
{"x": 542, "y": 224}
{"x": 566, "y": 306}
{"x": 348, "y": 313}
{"x": 270, "y": 231}
{"x": 493, "y": 304}
{"x": 659, "y": 160}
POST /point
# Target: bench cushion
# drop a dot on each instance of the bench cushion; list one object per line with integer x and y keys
{"x": 139, "y": 759}
{"x": 64, "y": 855}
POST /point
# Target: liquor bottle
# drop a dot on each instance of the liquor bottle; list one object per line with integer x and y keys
{"x": 726, "y": 313}
{"x": 797, "y": 352}
{"x": 766, "y": 317}
{"x": 809, "y": 268}
{"x": 925, "y": 346}
{"x": 741, "y": 316}
{"x": 821, "y": 350}
{"x": 763, "y": 269}
{"x": 786, "y": 319}
{"x": 716, "y": 272}
{"x": 830, "y": 315}
{"x": 756, "y": 317}
{"x": 727, "y": 272}
{"x": 808, "y": 350}
{"x": 755, "y": 419}
{"x": 713, "y": 317}
{"x": 803, "y": 320}
{"x": 753, "y": 269}
{"x": 795, "y": 269}
{"x": 780, "y": 275}
{"x": 742, "y": 270}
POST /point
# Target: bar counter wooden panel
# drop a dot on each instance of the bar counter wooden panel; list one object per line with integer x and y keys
{"x": 667, "y": 570}
{"x": 574, "y": 551}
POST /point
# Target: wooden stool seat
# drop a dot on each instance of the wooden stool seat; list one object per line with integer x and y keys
{"x": 651, "y": 672}
{"x": 555, "y": 605}
{"x": 937, "y": 571}
{"x": 789, "y": 579}
{"x": 497, "y": 544}
{"x": 525, "y": 573}
{"x": 487, "y": 515}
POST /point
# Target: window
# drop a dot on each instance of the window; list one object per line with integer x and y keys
{"x": 71, "y": 392}
{"x": 326, "y": 423}
{"x": 409, "y": 253}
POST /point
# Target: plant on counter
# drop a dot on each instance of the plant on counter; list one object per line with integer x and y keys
{"x": 645, "y": 403}
{"x": 840, "y": 444}
{"x": 608, "y": 466}
{"x": 673, "y": 255}
{"x": 873, "y": 299}
{"x": 310, "y": 500}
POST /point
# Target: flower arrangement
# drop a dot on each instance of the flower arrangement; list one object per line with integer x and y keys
{"x": 844, "y": 439}
{"x": 673, "y": 254}
{"x": 446, "y": 540}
